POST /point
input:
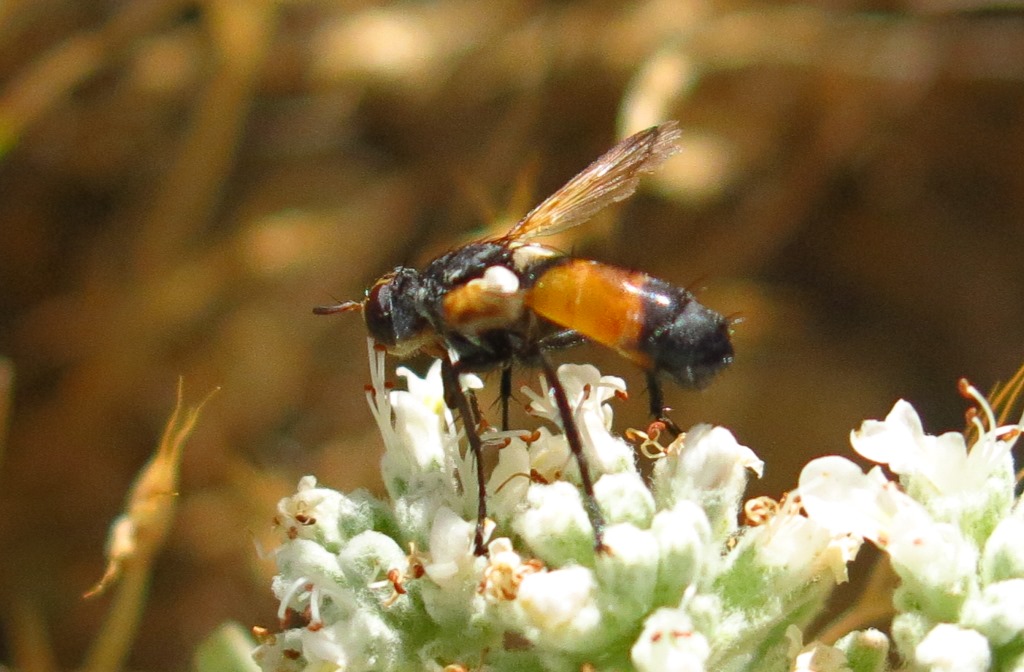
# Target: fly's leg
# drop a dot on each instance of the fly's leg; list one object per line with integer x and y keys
{"x": 457, "y": 400}
{"x": 572, "y": 436}
{"x": 506, "y": 394}
{"x": 565, "y": 338}
{"x": 658, "y": 410}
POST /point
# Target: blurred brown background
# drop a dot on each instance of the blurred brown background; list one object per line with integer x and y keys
{"x": 180, "y": 182}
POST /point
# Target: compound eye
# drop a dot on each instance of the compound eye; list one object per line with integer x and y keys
{"x": 378, "y": 312}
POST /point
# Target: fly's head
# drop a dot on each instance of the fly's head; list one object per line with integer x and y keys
{"x": 393, "y": 311}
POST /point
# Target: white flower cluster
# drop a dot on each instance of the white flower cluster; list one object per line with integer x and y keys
{"x": 951, "y": 525}
{"x": 388, "y": 585}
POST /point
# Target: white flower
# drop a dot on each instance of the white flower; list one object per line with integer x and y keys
{"x": 451, "y": 548}
{"x": 814, "y": 657}
{"x": 418, "y": 429}
{"x": 309, "y": 575}
{"x": 625, "y": 498}
{"x": 587, "y": 391}
{"x": 545, "y": 458}
{"x": 505, "y": 571}
{"x": 706, "y": 465}
{"x": 998, "y": 612}
{"x": 670, "y": 641}
{"x": 281, "y": 652}
{"x": 678, "y": 584}
{"x": 685, "y": 551}
{"x": 900, "y": 442}
{"x": 707, "y": 458}
{"x": 421, "y": 417}
{"x": 363, "y": 642}
{"x": 869, "y": 648}
{"x": 559, "y": 609}
{"x": 320, "y": 514}
{"x": 585, "y": 388}
{"x": 970, "y": 488}
{"x": 935, "y": 557}
{"x": 550, "y": 457}
{"x": 370, "y": 555}
{"x": 950, "y": 648}
{"x": 327, "y": 646}
{"x": 934, "y": 532}
{"x": 423, "y": 466}
{"x": 452, "y": 573}
{"x": 942, "y": 462}
{"x": 628, "y": 572}
{"x": 1003, "y": 557}
{"x": 421, "y": 446}
{"x": 803, "y": 546}
{"x": 837, "y": 494}
{"x": 509, "y": 480}
{"x": 554, "y": 524}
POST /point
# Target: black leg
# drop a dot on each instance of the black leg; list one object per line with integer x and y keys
{"x": 506, "y": 394}
{"x": 658, "y": 410}
{"x": 456, "y": 399}
{"x": 572, "y": 435}
{"x": 566, "y": 338}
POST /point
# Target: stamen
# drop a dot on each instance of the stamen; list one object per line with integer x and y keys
{"x": 531, "y": 438}
{"x": 416, "y": 567}
{"x": 976, "y": 423}
{"x": 534, "y": 398}
{"x": 537, "y": 477}
{"x": 501, "y": 442}
{"x": 371, "y": 401}
{"x": 289, "y": 594}
{"x": 395, "y": 577}
{"x": 314, "y": 607}
{"x": 378, "y": 397}
{"x": 647, "y": 442}
{"x": 971, "y": 392}
{"x": 1009, "y": 433}
{"x": 518, "y": 474}
{"x": 759, "y": 510}
{"x": 262, "y": 635}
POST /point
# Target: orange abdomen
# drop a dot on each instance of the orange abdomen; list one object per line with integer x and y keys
{"x": 603, "y": 303}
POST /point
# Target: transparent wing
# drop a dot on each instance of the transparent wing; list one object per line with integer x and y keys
{"x": 610, "y": 179}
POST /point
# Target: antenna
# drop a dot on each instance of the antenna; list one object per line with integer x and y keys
{"x": 345, "y": 307}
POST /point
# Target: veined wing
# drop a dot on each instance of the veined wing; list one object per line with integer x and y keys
{"x": 610, "y": 179}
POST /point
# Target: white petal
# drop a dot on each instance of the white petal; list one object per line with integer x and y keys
{"x": 451, "y": 546}
{"x": 949, "y": 648}
{"x": 559, "y": 609}
{"x": 837, "y": 494}
{"x": 509, "y": 481}
{"x": 669, "y": 641}
{"x": 894, "y": 441}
